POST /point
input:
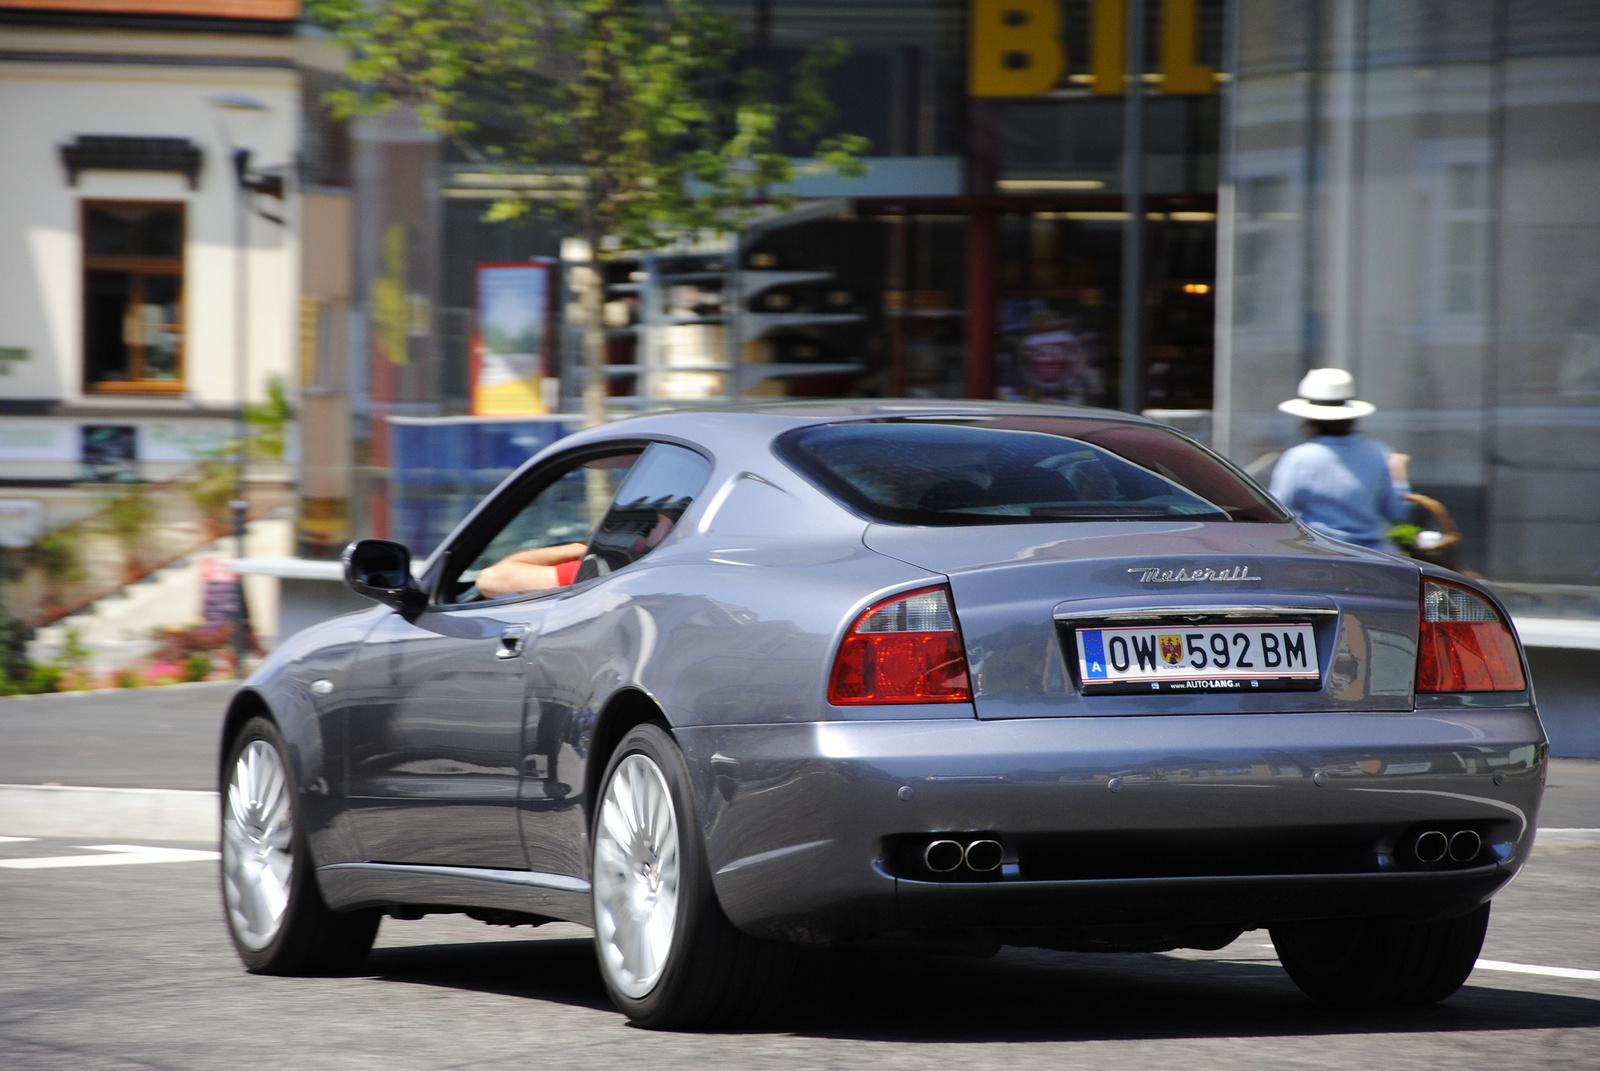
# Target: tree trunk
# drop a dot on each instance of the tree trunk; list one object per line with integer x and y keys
{"x": 590, "y": 285}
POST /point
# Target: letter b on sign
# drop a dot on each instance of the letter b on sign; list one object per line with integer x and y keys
{"x": 1015, "y": 47}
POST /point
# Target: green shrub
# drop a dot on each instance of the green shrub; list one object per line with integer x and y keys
{"x": 38, "y": 679}
{"x": 196, "y": 667}
{"x": 56, "y": 555}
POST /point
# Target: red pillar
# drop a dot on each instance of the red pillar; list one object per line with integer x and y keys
{"x": 982, "y": 272}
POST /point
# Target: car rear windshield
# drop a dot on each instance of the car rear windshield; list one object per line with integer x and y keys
{"x": 1020, "y": 469}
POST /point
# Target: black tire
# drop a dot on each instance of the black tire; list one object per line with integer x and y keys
{"x": 1381, "y": 962}
{"x": 308, "y": 937}
{"x": 713, "y": 976}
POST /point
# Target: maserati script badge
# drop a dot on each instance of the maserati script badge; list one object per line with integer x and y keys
{"x": 1154, "y": 574}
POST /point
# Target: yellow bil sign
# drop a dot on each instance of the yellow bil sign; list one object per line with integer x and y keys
{"x": 1016, "y": 48}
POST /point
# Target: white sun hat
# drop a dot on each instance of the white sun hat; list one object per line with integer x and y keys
{"x": 1327, "y": 394}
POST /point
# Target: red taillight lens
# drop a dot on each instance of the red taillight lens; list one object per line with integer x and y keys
{"x": 905, "y": 649}
{"x": 1464, "y": 644}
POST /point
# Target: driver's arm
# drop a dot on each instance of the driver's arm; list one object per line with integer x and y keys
{"x": 527, "y": 570}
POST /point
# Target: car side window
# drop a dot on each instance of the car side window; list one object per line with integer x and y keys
{"x": 648, "y": 506}
{"x": 563, "y": 512}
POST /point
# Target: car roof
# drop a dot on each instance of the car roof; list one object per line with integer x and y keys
{"x": 746, "y": 424}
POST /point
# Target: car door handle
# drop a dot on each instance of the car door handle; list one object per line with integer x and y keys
{"x": 511, "y": 641}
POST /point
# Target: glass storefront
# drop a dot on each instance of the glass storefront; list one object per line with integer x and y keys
{"x": 1415, "y": 196}
{"x": 1012, "y": 285}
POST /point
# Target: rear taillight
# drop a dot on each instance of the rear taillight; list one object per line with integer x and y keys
{"x": 1464, "y": 644}
{"x": 905, "y": 649}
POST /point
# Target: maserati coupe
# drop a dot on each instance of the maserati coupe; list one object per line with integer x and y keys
{"x": 724, "y": 684}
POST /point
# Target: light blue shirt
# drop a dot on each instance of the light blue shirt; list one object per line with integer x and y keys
{"x": 1340, "y": 485}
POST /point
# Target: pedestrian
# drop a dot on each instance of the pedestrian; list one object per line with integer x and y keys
{"x": 1340, "y": 482}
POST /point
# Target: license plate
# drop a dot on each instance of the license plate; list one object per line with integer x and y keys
{"x": 1209, "y": 658}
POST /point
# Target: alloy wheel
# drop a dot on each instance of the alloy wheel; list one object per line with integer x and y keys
{"x": 257, "y": 845}
{"x": 636, "y": 875}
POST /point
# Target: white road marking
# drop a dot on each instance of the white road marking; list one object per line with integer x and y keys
{"x": 16, "y": 840}
{"x": 122, "y": 855}
{"x": 1523, "y": 968}
{"x": 1532, "y": 968}
{"x": 109, "y": 813}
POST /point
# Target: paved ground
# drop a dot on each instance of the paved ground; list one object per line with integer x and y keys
{"x": 115, "y": 738}
{"x": 123, "y": 967}
{"x": 126, "y": 965}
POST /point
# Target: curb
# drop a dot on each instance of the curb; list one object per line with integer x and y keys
{"x": 45, "y": 697}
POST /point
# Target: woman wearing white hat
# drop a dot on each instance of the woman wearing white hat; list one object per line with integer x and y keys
{"x": 1341, "y": 483}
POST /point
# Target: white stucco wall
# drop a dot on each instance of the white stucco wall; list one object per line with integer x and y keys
{"x": 46, "y": 104}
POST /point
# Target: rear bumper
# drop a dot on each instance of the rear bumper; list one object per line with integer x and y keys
{"x": 1212, "y": 820}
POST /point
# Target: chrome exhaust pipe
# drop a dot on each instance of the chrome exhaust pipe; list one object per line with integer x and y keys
{"x": 1431, "y": 846}
{"x": 984, "y": 855}
{"x": 942, "y": 856}
{"x": 1465, "y": 846}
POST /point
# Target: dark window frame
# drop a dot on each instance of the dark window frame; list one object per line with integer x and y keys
{"x": 139, "y": 267}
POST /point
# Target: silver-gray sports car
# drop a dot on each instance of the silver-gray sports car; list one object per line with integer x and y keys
{"x": 722, "y": 684}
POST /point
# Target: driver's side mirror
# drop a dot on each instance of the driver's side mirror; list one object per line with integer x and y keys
{"x": 380, "y": 569}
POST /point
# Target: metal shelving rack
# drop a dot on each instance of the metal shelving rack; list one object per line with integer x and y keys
{"x": 655, "y": 365}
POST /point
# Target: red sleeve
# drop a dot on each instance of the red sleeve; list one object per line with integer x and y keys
{"x": 567, "y": 572}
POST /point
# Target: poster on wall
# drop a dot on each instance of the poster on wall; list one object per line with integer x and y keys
{"x": 109, "y": 452}
{"x": 511, "y": 338}
{"x": 1049, "y": 351}
{"x": 222, "y": 598}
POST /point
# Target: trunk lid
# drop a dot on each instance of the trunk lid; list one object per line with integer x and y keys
{"x": 1022, "y": 592}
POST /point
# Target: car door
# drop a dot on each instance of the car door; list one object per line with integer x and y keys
{"x": 435, "y": 730}
{"x": 579, "y": 632}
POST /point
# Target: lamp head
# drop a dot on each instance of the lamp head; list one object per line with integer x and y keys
{"x": 240, "y": 119}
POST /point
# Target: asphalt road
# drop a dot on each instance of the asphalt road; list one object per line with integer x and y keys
{"x": 128, "y": 966}
{"x": 115, "y": 738}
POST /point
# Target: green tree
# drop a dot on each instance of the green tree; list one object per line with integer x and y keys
{"x": 18, "y": 675}
{"x": 267, "y": 422}
{"x": 643, "y": 117}
{"x": 14, "y": 664}
{"x": 127, "y": 515}
{"x": 56, "y": 555}
{"x": 213, "y": 483}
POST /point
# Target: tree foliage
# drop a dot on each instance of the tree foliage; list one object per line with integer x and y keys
{"x": 641, "y": 116}
{"x": 267, "y": 421}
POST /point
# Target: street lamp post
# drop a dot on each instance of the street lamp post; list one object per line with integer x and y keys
{"x": 240, "y": 116}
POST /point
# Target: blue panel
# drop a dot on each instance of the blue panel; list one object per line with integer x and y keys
{"x": 1094, "y": 654}
{"x": 444, "y": 467}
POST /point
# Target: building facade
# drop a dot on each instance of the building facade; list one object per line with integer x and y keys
{"x": 1414, "y": 194}
{"x": 984, "y": 249}
{"x": 981, "y": 254}
{"x": 124, "y": 350}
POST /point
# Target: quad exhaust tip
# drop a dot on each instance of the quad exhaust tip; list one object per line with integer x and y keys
{"x": 984, "y": 856}
{"x": 981, "y": 856}
{"x": 1465, "y": 846}
{"x": 1433, "y": 846}
{"x": 943, "y": 856}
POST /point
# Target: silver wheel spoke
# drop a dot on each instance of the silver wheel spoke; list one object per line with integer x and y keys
{"x": 636, "y": 860}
